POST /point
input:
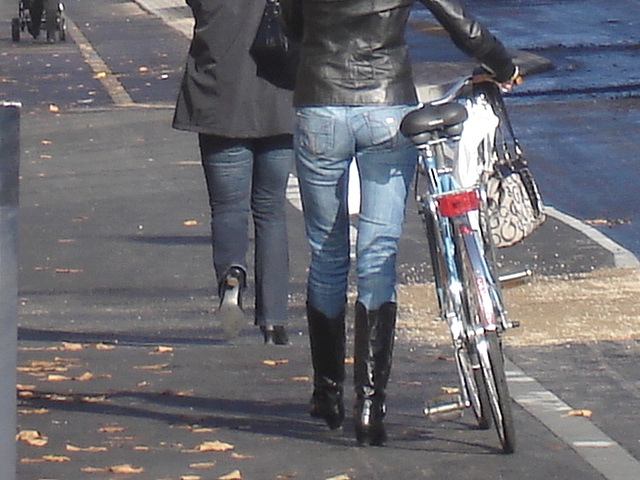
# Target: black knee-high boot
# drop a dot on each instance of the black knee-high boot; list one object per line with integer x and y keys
{"x": 374, "y": 335}
{"x": 327, "y": 339}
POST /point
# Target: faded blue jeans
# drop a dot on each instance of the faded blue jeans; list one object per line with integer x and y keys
{"x": 248, "y": 177}
{"x": 326, "y": 140}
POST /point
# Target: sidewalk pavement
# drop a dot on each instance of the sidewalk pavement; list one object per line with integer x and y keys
{"x": 123, "y": 372}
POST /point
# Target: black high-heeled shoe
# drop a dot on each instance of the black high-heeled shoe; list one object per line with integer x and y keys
{"x": 275, "y": 334}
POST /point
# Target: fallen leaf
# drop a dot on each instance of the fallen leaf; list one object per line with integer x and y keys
{"x": 31, "y": 460}
{"x": 94, "y": 470}
{"x": 54, "y": 377}
{"x": 450, "y": 390}
{"x": 32, "y": 411}
{"x": 54, "y": 108}
{"x": 300, "y": 379}
{"x": 202, "y": 465}
{"x": 190, "y": 477}
{"x": 215, "y": 446}
{"x": 56, "y": 458}
{"x": 159, "y": 366}
{"x": 46, "y": 142}
{"x": 92, "y": 449}
{"x": 22, "y": 388}
{"x": 32, "y": 437}
{"x": 340, "y": 477}
{"x": 162, "y": 349}
{"x": 141, "y": 448}
{"x": 111, "y": 429}
{"x": 104, "y": 346}
{"x": 349, "y": 361}
{"x": 86, "y": 376}
{"x": 99, "y": 75}
{"x": 143, "y": 69}
{"x": 580, "y": 413}
{"x": 235, "y": 475}
{"x": 190, "y": 223}
{"x": 239, "y": 456}
{"x": 126, "y": 469}
{"x": 273, "y": 363}
{"x": 72, "y": 347}
{"x": 94, "y": 399}
{"x": 201, "y": 429}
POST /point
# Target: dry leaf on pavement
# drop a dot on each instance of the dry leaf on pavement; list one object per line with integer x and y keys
{"x": 86, "y": 376}
{"x": 162, "y": 349}
{"x": 53, "y": 377}
{"x": 32, "y": 437}
{"x": 450, "y": 390}
{"x": 159, "y": 366}
{"x": 580, "y": 413}
{"x": 91, "y": 449}
{"x": 240, "y": 456}
{"x": 56, "y": 458}
{"x": 235, "y": 475}
{"x": 273, "y": 363}
{"x": 202, "y": 465}
{"x": 215, "y": 446}
{"x": 111, "y": 429}
{"x": 33, "y": 411}
{"x": 126, "y": 469}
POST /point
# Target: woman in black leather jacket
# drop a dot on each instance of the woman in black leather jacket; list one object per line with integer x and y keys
{"x": 354, "y": 85}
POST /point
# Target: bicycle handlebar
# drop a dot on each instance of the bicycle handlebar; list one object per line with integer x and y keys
{"x": 459, "y": 86}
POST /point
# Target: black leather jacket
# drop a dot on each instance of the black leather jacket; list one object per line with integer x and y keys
{"x": 354, "y": 51}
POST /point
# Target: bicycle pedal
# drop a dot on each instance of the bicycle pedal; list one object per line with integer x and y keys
{"x": 442, "y": 408}
{"x": 516, "y": 279}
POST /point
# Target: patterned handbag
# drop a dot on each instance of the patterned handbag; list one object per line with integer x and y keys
{"x": 514, "y": 201}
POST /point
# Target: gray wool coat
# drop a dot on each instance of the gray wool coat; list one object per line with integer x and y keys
{"x": 220, "y": 93}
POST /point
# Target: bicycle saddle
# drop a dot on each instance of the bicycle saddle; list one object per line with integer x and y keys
{"x": 420, "y": 125}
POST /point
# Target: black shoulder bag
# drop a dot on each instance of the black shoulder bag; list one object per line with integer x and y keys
{"x": 276, "y": 56}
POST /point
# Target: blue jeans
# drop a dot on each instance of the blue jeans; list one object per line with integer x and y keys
{"x": 249, "y": 177}
{"x": 326, "y": 140}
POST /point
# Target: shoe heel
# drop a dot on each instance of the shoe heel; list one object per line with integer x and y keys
{"x": 230, "y": 314}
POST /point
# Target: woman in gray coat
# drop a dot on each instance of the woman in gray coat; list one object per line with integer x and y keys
{"x": 244, "y": 127}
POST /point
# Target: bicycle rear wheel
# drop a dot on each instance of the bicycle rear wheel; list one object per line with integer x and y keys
{"x": 481, "y": 309}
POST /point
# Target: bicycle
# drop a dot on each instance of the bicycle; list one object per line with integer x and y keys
{"x": 467, "y": 285}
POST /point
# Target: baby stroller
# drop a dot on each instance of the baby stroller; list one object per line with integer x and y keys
{"x": 52, "y": 21}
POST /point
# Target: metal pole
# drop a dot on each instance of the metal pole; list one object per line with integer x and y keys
{"x": 9, "y": 166}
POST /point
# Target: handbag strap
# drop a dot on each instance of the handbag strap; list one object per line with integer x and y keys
{"x": 496, "y": 100}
